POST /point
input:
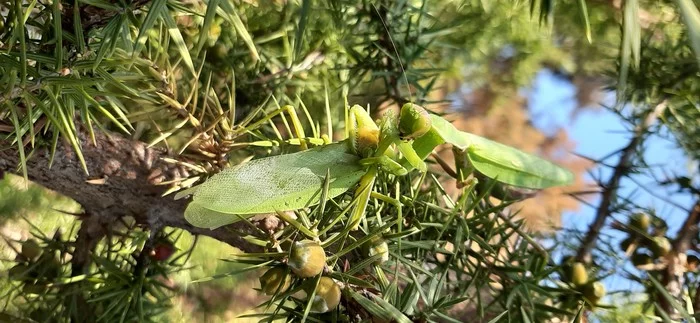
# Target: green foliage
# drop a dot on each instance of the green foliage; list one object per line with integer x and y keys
{"x": 424, "y": 235}
{"x": 35, "y": 212}
{"x": 211, "y": 82}
{"x": 691, "y": 15}
{"x": 45, "y": 289}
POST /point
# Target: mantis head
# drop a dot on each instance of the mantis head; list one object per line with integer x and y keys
{"x": 364, "y": 132}
{"x": 414, "y": 121}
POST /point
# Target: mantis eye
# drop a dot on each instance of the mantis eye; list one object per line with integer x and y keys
{"x": 364, "y": 133}
{"x": 414, "y": 121}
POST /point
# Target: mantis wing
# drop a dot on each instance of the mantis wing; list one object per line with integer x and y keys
{"x": 278, "y": 183}
{"x": 495, "y": 160}
{"x": 199, "y": 216}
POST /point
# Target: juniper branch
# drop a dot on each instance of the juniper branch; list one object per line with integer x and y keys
{"x": 609, "y": 192}
{"x": 122, "y": 182}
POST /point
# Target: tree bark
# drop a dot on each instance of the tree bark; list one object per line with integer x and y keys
{"x": 673, "y": 277}
{"x": 122, "y": 180}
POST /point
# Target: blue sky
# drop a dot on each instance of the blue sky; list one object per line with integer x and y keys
{"x": 597, "y": 133}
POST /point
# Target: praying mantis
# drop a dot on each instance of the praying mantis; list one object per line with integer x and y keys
{"x": 394, "y": 145}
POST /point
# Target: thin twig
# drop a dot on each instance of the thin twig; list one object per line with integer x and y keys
{"x": 659, "y": 196}
{"x": 610, "y": 188}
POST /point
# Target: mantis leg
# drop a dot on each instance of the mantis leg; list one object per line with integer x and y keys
{"x": 298, "y": 129}
{"x": 386, "y": 163}
{"x": 411, "y": 156}
{"x": 463, "y": 166}
{"x": 362, "y": 194}
{"x": 501, "y": 191}
{"x": 296, "y": 123}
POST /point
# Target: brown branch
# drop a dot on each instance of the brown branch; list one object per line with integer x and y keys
{"x": 610, "y": 188}
{"x": 688, "y": 230}
{"x": 673, "y": 276}
{"x": 122, "y": 179}
{"x": 696, "y": 300}
{"x": 89, "y": 235}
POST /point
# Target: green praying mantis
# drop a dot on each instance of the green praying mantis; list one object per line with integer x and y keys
{"x": 398, "y": 146}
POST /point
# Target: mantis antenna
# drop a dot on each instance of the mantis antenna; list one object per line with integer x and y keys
{"x": 398, "y": 57}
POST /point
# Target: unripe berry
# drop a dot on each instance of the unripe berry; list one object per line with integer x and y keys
{"x": 377, "y": 246}
{"x": 306, "y": 258}
{"x": 414, "y": 121}
{"x": 593, "y": 292}
{"x": 31, "y": 249}
{"x": 579, "y": 276}
{"x": 327, "y": 296}
{"x": 660, "y": 246}
{"x": 640, "y": 221}
{"x": 573, "y": 272}
{"x": 274, "y": 280}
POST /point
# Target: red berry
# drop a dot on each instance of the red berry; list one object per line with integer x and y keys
{"x": 162, "y": 251}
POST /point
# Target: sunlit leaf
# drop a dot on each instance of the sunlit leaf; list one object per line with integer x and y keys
{"x": 235, "y": 20}
{"x": 691, "y": 16}
{"x": 583, "y": 9}
{"x": 156, "y": 10}
{"x": 209, "y": 16}
{"x": 176, "y": 36}
{"x": 379, "y": 307}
